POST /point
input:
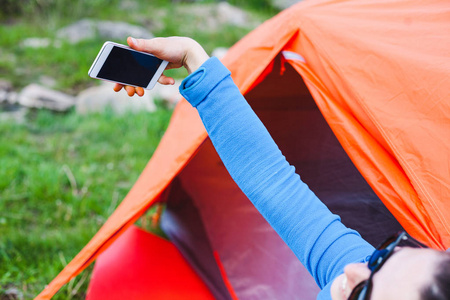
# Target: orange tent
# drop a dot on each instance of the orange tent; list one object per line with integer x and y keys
{"x": 379, "y": 74}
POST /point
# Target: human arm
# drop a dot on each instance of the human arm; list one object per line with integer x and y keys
{"x": 252, "y": 158}
{"x": 316, "y": 236}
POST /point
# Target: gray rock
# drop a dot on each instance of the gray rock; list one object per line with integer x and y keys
{"x": 36, "y": 43}
{"x": 88, "y": 29}
{"x": 209, "y": 17}
{"x": 9, "y": 109}
{"x": 3, "y": 96}
{"x": 169, "y": 94}
{"x": 47, "y": 81}
{"x": 37, "y": 96}
{"x": 219, "y": 52}
{"x": 12, "y": 98}
{"x": 121, "y": 30}
{"x": 98, "y": 98}
{"x": 13, "y": 293}
{"x": 78, "y": 31}
{"x": 5, "y": 85}
{"x": 8, "y": 97}
{"x": 229, "y": 14}
{"x": 17, "y": 115}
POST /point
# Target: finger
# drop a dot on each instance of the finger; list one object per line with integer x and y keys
{"x": 139, "y": 91}
{"x": 152, "y": 46}
{"x": 133, "y": 43}
{"x": 171, "y": 49}
{"x": 130, "y": 90}
{"x": 165, "y": 80}
{"x": 117, "y": 87}
{"x": 172, "y": 66}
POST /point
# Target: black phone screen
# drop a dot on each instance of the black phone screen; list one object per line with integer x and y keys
{"x": 129, "y": 67}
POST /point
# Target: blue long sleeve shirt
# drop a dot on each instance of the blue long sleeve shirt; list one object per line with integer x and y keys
{"x": 316, "y": 236}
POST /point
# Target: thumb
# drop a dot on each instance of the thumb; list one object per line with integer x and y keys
{"x": 172, "y": 49}
{"x": 152, "y": 46}
{"x": 134, "y": 43}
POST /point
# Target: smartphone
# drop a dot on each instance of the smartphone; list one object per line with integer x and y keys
{"x": 121, "y": 64}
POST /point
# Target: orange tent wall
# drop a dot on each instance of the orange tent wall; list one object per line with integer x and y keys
{"x": 379, "y": 72}
{"x": 392, "y": 113}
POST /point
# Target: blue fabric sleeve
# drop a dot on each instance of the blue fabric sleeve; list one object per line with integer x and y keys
{"x": 316, "y": 236}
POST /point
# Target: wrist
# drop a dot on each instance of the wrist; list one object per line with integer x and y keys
{"x": 195, "y": 57}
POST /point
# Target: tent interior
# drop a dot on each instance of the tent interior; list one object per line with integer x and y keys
{"x": 213, "y": 224}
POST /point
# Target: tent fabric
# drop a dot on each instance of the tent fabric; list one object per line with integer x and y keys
{"x": 381, "y": 104}
{"x": 379, "y": 73}
{"x": 140, "y": 265}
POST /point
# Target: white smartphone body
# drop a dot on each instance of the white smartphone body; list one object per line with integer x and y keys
{"x": 121, "y": 64}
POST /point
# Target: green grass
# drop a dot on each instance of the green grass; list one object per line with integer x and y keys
{"x": 61, "y": 176}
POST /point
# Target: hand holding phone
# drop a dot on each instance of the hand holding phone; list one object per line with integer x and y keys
{"x": 178, "y": 51}
{"x": 126, "y": 66}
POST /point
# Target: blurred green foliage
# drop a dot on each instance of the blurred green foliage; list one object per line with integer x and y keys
{"x": 62, "y": 175}
{"x": 69, "y": 64}
{"x": 46, "y": 8}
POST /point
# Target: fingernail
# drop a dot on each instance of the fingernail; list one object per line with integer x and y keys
{"x": 134, "y": 41}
